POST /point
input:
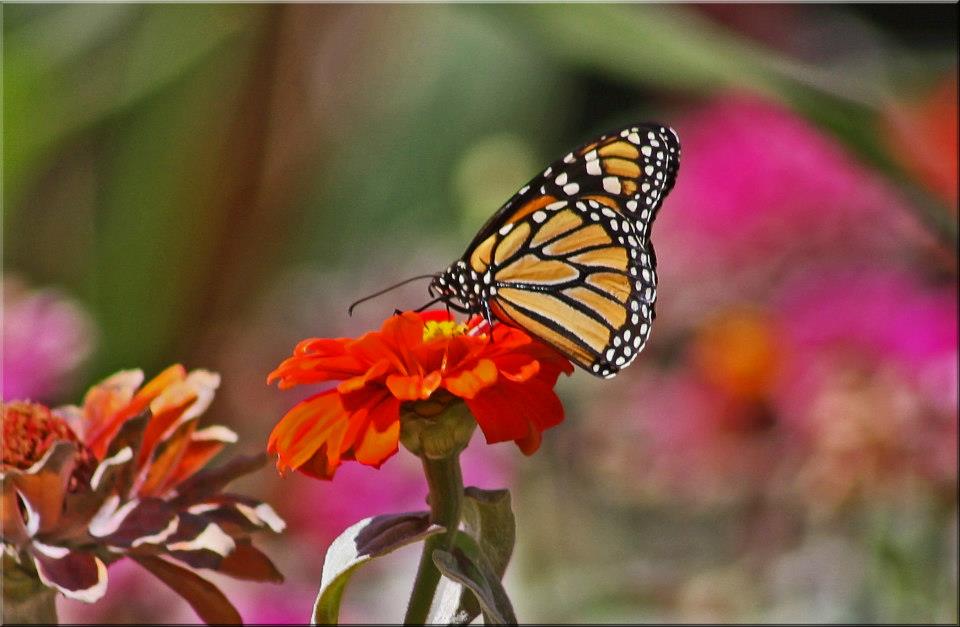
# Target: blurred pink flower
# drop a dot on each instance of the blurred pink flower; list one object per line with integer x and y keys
{"x": 682, "y": 441}
{"x": 871, "y": 386}
{"x": 45, "y": 337}
{"x": 844, "y": 388}
{"x": 763, "y": 192}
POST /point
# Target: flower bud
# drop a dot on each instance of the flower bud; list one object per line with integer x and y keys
{"x": 436, "y": 430}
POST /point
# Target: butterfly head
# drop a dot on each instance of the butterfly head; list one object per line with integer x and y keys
{"x": 459, "y": 287}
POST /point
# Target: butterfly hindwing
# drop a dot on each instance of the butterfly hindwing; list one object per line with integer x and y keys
{"x": 576, "y": 275}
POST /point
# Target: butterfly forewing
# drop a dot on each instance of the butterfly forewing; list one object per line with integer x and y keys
{"x": 569, "y": 259}
{"x": 637, "y": 165}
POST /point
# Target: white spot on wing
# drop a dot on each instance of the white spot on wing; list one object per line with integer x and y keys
{"x": 611, "y": 184}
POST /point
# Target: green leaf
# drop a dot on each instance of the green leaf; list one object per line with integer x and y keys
{"x": 488, "y": 518}
{"x": 366, "y": 540}
{"x": 489, "y": 535}
{"x": 477, "y": 575}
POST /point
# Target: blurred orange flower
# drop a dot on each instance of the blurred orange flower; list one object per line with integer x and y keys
{"x": 418, "y": 363}
{"x": 923, "y": 138}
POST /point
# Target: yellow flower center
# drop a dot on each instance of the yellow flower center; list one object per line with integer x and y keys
{"x": 433, "y": 329}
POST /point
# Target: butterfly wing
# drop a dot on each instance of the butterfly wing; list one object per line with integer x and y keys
{"x": 577, "y": 276}
{"x": 569, "y": 258}
{"x": 637, "y": 166}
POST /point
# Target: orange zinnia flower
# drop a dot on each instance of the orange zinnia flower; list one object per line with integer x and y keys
{"x": 417, "y": 363}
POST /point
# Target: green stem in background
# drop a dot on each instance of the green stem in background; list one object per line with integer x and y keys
{"x": 25, "y": 599}
{"x": 446, "y": 498}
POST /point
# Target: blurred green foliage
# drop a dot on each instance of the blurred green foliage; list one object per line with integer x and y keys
{"x": 137, "y": 135}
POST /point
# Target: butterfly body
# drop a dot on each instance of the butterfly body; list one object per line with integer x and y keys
{"x": 569, "y": 258}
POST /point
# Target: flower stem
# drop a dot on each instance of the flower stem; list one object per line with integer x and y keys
{"x": 446, "y": 497}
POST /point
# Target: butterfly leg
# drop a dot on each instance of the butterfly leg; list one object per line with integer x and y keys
{"x": 489, "y": 318}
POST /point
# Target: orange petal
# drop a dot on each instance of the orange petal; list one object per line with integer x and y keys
{"x": 159, "y": 423}
{"x": 99, "y": 440}
{"x": 403, "y": 333}
{"x": 377, "y": 446}
{"x": 101, "y": 405}
{"x": 166, "y": 461}
{"x": 154, "y": 387}
{"x": 311, "y": 368}
{"x": 385, "y": 413}
{"x": 321, "y": 346}
{"x": 307, "y": 427}
{"x": 414, "y": 387}
{"x": 518, "y": 367}
{"x": 528, "y": 445}
{"x": 512, "y": 411}
{"x": 373, "y": 373}
{"x": 318, "y": 466}
{"x": 178, "y": 402}
{"x": 468, "y": 383}
{"x": 372, "y": 347}
{"x": 198, "y": 453}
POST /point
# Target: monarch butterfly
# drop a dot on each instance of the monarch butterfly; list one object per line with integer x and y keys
{"x": 568, "y": 258}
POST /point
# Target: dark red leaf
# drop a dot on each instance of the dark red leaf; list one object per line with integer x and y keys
{"x": 205, "y": 598}
{"x": 247, "y": 562}
{"x": 211, "y": 481}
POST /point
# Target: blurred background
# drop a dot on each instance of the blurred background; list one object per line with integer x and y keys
{"x": 208, "y": 184}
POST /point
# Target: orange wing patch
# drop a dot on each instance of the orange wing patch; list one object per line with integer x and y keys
{"x": 557, "y": 225}
{"x": 511, "y": 315}
{"x": 532, "y": 269}
{"x": 622, "y": 149}
{"x": 611, "y": 311}
{"x": 605, "y": 201}
{"x": 621, "y": 167}
{"x": 511, "y": 243}
{"x": 537, "y": 203}
{"x": 617, "y": 285}
{"x": 480, "y": 257}
{"x": 594, "y": 333}
{"x": 588, "y": 148}
{"x": 587, "y": 237}
{"x": 614, "y": 257}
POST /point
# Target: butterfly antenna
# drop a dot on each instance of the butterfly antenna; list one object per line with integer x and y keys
{"x": 387, "y": 289}
{"x": 432, "y": 302}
